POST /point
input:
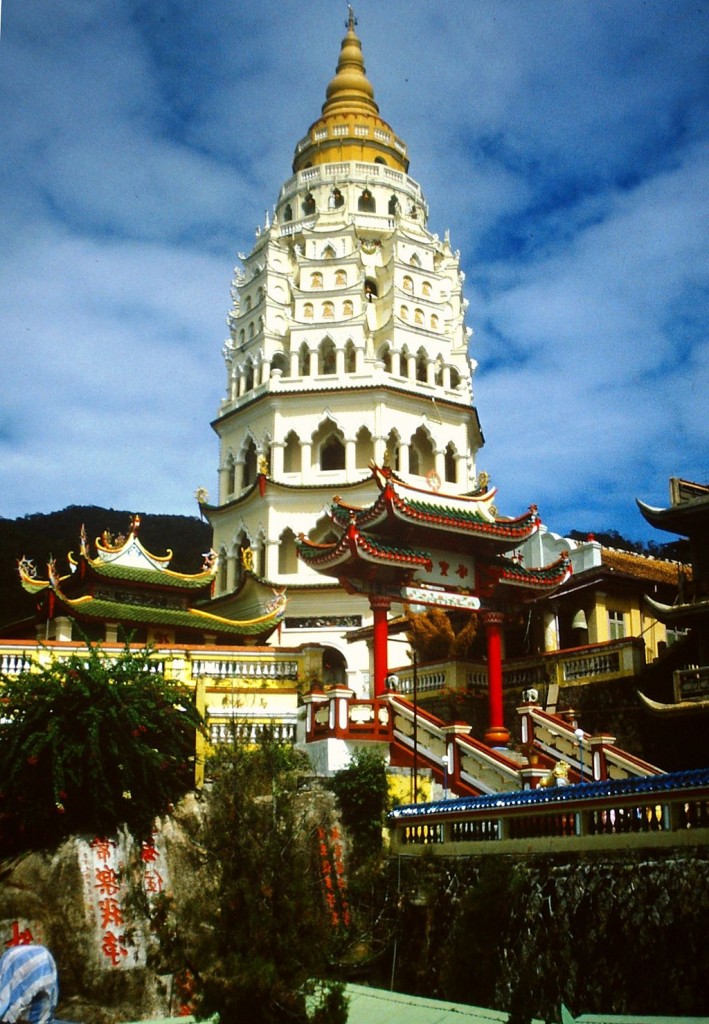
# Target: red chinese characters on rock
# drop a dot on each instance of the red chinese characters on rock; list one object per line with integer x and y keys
{"x": 19, "y": 937}
{"x": 106, "y": 888}
{"x": 333, "y": 872}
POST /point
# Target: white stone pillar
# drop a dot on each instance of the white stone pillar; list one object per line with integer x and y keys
{"x": 350, "y": 458}
{"x": 551, "y": 631}
{"x": 276, "y": 467}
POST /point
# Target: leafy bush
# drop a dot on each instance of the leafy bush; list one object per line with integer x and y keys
{"x": 88, "y": 744}
{"x": 362, "y": 792}
{"x": 255, "y": 935}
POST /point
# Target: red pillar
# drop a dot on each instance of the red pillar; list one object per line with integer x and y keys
{"x": 497, "y": 735}
{"x": 380, "y": 607}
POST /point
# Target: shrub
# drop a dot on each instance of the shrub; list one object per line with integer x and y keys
{"x": 88, "y": 744}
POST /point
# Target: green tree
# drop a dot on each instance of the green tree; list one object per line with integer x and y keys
{"x": 88, "y": 744}
{"x": 256, "y": 937}
{"x": 362, "y": 793}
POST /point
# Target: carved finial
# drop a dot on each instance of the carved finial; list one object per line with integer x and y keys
{"x": 351, "y": 20}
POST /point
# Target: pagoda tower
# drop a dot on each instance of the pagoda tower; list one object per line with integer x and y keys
{"x": 347, "y": 348}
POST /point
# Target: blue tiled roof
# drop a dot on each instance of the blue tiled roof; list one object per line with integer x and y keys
{"x": 648, "y": 784}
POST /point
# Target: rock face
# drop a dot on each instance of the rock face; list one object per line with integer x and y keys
{"x": 613, "y": 934}
{"x": 83, "y": 902}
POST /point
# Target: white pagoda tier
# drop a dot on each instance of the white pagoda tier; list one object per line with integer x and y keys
{"x": 348, "y": 347}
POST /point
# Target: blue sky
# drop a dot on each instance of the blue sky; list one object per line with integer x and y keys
{"x": 564, "y": 143}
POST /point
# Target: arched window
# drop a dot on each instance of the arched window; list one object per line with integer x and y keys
{"x": 350, "y": 357}
{"x": 288, "y": 212}
{"x": 231, "y": 476}
{"x": 287, "y": 555}
{"x": 242, "y": 544}
{"x": 404, "y": 312}
{"x": 340, "y": 277}
{"x": 421, "y": 460}
{"x": 316, "y": 279}
{"x": 338, "y": 198}
{"x": 415, "y": 260}
{"x": 426, "y": 288}
{"x": 308, "y": 204}
{"x": 434, "y": 322}
{"x": 242, "y": 336}
{"x": 404, "y": 362}
{"x": 304, "y": 360}
{"x": 334, "y": 668}
{"x": 328, "y": 252}
{"x": 327, "y": 358}
{"x": 449, "y": 462}
{"x": 370, "y": 289}
{"x": 439, "y": 372}
{"x": 328, "y": 310}
{"x": 249, "y": 376}
{"x": 281, "y": 362}
{"x": 392, "y": 450}
{"x": 364, "y": 448}
{"x": 348, "y": 308}
{"x": 260, "y": 557}
{"x": 328, "y": 446}
{"x": 292, "y": 460}
{"x": 366, "y": 203}
{"x": 380, "y": 160}
{"x": 421, "y": 365}
{"x": 384, "y": 355}
{"x": 308, "y": 311}
{"x": 248, "y": 471}
{"x": 332, "y": 453}
{"x": 259, "y": 294}
{"x": 247, "y": 304}
{"x": 252, "y": 330}
{"x": 408, "y": 285}
{"x": 418, "y": 316}
{"x": 393, "y": 206}
{"x": 455, "y": 378}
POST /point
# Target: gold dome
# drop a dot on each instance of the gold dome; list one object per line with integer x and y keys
{"x": 350, "y": 127}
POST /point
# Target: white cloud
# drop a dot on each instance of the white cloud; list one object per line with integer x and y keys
{"x": 564, "y": 145}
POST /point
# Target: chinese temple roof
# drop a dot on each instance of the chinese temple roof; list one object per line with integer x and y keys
{"x": 448, "y": 544}
{"x": 123, "y": 558}
{"x": 419, "y": 514}
{"x": 125, "y": 583}
{"x": 685, "y": 519}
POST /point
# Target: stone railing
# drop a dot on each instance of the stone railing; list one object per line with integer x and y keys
{"x": 604, "y": 661}
{"x": 351, "y": 171}
{"x": 181, "y": 662}
{"x": 691, "y": 683}
{"x": 662, "y": 810}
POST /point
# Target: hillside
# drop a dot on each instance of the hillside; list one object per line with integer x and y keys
{"x": 41, "y": 536}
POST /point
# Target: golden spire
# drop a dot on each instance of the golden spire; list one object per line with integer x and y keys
{"x": 350, "y": 127}
{"x": 350, "y": 89}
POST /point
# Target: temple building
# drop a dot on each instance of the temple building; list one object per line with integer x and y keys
{"x": 125, "y": 592}
{"x": 687, "y": 662}
{"x": 348, "y": 348}
{"x": 416, "y": 548}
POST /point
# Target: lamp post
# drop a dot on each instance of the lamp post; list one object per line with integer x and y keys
{"x": 579, "y": 734}
{"x": 444, "y": 762}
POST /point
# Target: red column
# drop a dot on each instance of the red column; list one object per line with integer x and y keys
{"x": 380, "y": 607}
{"x": 497, "y": 735}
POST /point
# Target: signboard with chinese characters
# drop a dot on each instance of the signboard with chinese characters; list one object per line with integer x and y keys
{"x": 440, "y": 598}
{"x": 450, "y": 570}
